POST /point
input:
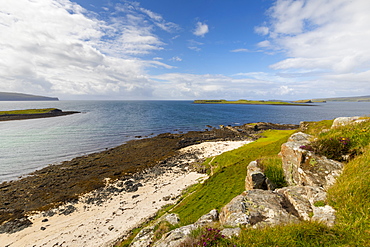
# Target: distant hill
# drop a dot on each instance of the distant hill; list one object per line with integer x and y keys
{"x": 348, "y": 99}
{"x": 24, "y": 97}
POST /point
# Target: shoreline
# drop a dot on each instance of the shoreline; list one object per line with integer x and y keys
{"x": 56, "y": 113}
{"x": 104, "y": 216}
{"x": 64, "y": 184}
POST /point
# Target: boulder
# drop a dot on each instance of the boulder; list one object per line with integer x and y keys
{"x": 179, "y": 235}
{"x": 173, "y": 219}
{"x": 325, "y": 214}
{"x": 229, "y": 232}
{"x": 257, "y": 208}
{"x": 175, "y": 237}
{"x": 303, "y": 199}
{"x": 292, "y": 156}
{"x": 318, "y": 171}
{"x": 302, "y": 167}
{"x": 255, "y": 178}
{"x": 207, "y": 219}
{"x": 342, "y": 121}
{"x": 144, "y": 237}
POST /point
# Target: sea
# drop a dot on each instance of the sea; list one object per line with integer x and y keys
{"x": 28, "y": 145}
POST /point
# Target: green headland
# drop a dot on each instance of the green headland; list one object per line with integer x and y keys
{"x": 246, "y": 102}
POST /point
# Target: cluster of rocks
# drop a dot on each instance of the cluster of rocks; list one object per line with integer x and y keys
{"x": 262, "y": 204}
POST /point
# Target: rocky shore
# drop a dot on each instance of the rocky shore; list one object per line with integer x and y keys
{"x": 85, "y": 182}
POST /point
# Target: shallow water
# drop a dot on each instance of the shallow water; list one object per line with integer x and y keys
{"x": 27, "y": 145}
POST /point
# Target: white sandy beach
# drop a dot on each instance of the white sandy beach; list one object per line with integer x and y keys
{"x": 102, "y": 224}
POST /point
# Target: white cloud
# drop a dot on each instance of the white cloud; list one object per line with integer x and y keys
{"x": 327, "y": 36}
{"x": 264, "y": 44}
{"x": 176, "y": 59}
{"x": 263, "y": 30}
{"x": 194, "y": 45}
{"x": 240, "y": 50}
{"x": 201, "y": 29}
{"x": 58, "y": 48}
{"x": 246, "y": 85}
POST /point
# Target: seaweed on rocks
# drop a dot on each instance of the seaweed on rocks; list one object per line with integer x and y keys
{"x": 129, "y": 164}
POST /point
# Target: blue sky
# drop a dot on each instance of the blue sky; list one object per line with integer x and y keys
{"x": 194, "y": 49}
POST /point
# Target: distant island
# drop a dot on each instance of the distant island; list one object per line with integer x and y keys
{"x": 24, "y": 97}
{"x": 337, "y": 99}
{"x": 33, "y": 113}
{"x": 348, "y": 99}
{"x": 246, "y": 102}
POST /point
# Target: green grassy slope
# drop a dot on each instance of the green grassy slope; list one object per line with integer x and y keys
{"x": 229, "y": 176}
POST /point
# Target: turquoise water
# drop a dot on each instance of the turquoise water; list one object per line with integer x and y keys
{"x": 27, "y": 145}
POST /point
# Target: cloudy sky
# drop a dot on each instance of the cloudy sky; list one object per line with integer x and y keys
{"x": 193, "y": 49}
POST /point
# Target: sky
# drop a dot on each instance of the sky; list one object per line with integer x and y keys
{"x": 185, "y": 49}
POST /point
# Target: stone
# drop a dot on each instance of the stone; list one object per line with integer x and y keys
{"x": 302, "y": 198}
{"x": 173, "y": 219}
{"x": 325, "y": 215}
{"x": 175, "y": 237}
{"x": 144, "y": 237}
{"x": 207, "y": 219}
{"x": 302, "y": 167}
{"x": 342, "y": 121}
{"x": 230, "y": 232}
{"x": 292, "y": 155}
{"x": 255, "y": 178}
{"x": 257, "y": 208}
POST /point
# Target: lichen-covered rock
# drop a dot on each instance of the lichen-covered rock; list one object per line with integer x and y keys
{"x": 342, "y": 121}
{"x": 302, "y": 167}
{"x": 255, "y": 178}
{"x": 207, "y": 219}
{"x": 303, "y": 198}
{"x": 257, "y": 208}
{"x": 318, "y": 171}
{"x": 229, "y": 232}
{"x": 292, "y": 156}
{"x": 144, "y": 238}
{"x": 173, "y": 219}
{"x": 175, "y": 237}
{"x": 325, "y": 214}
{"x": 146, "y": 235}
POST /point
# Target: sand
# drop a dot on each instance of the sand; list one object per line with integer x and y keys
{"x": 103, "y": 223}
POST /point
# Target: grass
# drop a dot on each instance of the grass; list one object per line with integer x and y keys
{"x": 349, "y": 196}
{"x": 271, "y": 167}
{"x": 243, "y": 101}
{"x": 229, "y": 176}
{"x": 28, "y": 111}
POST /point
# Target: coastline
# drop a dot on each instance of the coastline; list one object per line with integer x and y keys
{"x": 54, "y": 113}
{"x": 63, "y": 185}
{"x": 103, "y": 216}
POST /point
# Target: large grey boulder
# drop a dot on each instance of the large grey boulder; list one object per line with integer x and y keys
{"x": 342, "y": 121}
{"x": 302, "y": 167}
{"x": 257, "y": 208}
